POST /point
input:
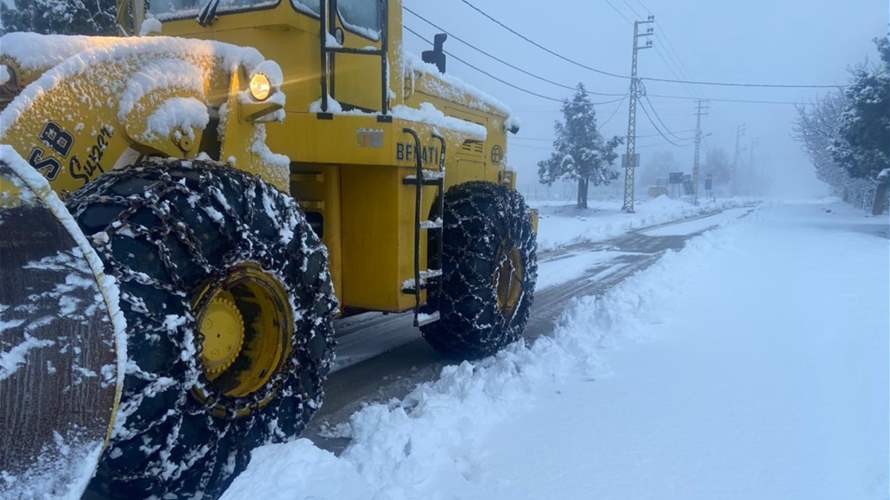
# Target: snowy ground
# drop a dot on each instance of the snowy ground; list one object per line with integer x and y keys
{"x": 563, "y": 224}
{"x": 753, "y": 364}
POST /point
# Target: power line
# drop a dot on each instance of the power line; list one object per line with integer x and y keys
{"x": 655, "y": 126}
{"x": 569, "y": 87}
{"x": 658, "y": 117}
{"x": 717, "y": 99}
{"x": 550, "y": 149}
{"x": 652, "y": 79}
{"x": 746, "y": 85}
{"x": 612, "y": 101}
{"x": 501, "y": 80}
{"x": 545, "y": 139}
{"x": 496, "y": 58}
{"x": 632, "y": 9}
{"x": 668, "y": 62}
{"x": 659, "y": 144}
{"x": 688, "y": 81}
{"x": 486, "y": 73}
{"x": 538, "y": 45}
{"x": 670, "y": 65}
{"x": 618, "y": 11}
{"x": 669, "y": 45}
{"x": 614, "y": 113}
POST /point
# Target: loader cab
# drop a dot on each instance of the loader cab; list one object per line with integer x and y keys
{"x": 345, "y": 70}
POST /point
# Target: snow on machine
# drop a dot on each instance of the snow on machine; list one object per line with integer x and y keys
{"x": 176, "y": 236}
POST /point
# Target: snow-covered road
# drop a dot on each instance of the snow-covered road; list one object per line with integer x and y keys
{"x": 752, "y": 364}
{"x": 766, "y": 377}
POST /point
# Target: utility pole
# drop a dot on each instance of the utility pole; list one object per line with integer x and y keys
{"x": 698, "y": 137}
{"x": 631, "y": 159}
{"x": 753, "y": 145}
{"x": 739, "y": 133}
{"x": 753, "y": 166}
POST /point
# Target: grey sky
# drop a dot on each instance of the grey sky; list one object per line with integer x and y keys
{"x": 784, "y": 41}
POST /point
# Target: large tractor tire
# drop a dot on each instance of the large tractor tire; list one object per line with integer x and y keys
{"x": 489, "y": 271}
{"x": 229, "y": 306}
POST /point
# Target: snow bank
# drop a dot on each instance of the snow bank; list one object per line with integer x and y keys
{"x": 562, "y": 225}
{"x": 436, "y": 431}
{"x": 430, "y": 443}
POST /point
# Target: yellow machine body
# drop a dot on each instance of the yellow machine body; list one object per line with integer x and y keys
{"x": 347, "y": 163}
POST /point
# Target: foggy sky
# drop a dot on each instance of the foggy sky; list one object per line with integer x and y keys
{"x": 769, "y": 41}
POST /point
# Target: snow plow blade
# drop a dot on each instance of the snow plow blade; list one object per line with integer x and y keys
{"x": 60, "y": 362}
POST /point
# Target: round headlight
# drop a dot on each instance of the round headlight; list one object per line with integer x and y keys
{"x": 260, "y": 87}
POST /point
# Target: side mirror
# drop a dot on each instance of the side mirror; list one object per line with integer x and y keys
{"x": 437, "y": 55}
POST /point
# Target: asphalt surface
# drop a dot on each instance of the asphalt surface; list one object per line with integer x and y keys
{"x": 380, "y": 357}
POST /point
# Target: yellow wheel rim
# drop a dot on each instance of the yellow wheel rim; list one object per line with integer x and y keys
{"x": 247, "y": 323}
{"x": 508, "y": 280}
{"x": 223, "y": 328}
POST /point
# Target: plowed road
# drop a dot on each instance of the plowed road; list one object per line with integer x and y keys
{"x": 380, "y": 357}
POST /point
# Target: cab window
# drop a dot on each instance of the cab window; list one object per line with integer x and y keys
{"x": 361, "y": 16}
{"x": 171, "y": 9}
{"x": 312, "y": 7}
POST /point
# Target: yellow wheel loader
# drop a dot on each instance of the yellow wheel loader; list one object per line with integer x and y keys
{"x": 184, "y": 213}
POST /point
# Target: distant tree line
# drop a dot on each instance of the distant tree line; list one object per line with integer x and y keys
{"x": 847, "y": 135}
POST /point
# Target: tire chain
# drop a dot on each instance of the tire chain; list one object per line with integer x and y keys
{"x": 479, "y": 217}
{"x": 158, "y": 413}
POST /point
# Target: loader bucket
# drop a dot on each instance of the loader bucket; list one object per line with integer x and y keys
{"x": 60, "y": 342}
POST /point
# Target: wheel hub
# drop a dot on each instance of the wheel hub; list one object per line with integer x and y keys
{"x": 247, "y": 323}
{"x": 223, "y": 328}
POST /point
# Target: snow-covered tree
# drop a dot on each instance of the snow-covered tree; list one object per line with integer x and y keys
{"x": 70, "y": 17}
{"x": 580, "y": 152}
{"x": 863, "y": 146}
{"x": 818, "y": 130}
